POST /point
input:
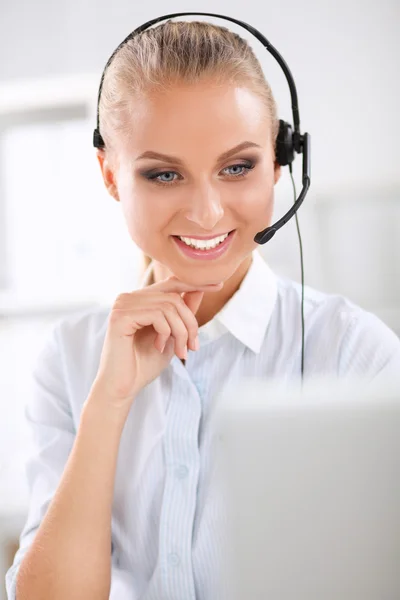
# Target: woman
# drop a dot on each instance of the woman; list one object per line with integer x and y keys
{"x": 120, "y": 504}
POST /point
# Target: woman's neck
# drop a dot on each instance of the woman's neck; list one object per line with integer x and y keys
{"x": 212, "y": 302}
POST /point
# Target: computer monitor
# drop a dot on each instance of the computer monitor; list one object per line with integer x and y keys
{"x": 310, "y": 480}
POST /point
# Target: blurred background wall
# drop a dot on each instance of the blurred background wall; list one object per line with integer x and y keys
{"x": 63, "y": 243}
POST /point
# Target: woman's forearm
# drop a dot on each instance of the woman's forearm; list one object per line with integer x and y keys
{"x": 70, "y": 556}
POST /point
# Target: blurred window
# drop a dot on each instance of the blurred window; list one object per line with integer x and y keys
{"x": 63, "y": 236}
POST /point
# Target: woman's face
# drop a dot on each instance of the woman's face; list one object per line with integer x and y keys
{"x": 196, "y": 192}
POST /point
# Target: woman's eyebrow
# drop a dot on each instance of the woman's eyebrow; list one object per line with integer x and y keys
{"x": 178, "y": 161}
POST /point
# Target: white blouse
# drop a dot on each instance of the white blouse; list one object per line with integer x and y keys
{"x": 164, "y": 515}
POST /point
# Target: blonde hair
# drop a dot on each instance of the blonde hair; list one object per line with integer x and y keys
{"x": 175, "y": 52}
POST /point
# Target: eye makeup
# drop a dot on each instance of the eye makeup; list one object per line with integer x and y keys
{"x": 153, "y": 175}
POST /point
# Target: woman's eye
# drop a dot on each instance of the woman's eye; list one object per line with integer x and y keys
{"x": 246, "y": 169}
{"x": 168, "y": 177}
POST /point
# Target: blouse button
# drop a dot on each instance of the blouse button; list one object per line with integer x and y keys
{"x": 182, "y": 471}
{"x": 174, "y": 559}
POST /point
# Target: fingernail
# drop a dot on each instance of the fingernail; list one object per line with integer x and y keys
{"x": 196, "y": 343}
{"x": 162, "y": 349}
{"x": 185, "y": 352}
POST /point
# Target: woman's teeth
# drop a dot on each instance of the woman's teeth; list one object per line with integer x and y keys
{"x": 204, "y": 244}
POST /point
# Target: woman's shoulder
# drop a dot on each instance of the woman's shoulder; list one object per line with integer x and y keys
{"x": 77, "y": 338}
{"x": 321, "y": 309}
{"x": 359, "y": 339}
{"x": 325, "y": 307}
{"x": 88, "y": 322}
{"x": 71, "y": 351}
{"x": 80, "y": 328}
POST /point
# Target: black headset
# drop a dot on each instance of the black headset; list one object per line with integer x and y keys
{"x": 288, "y": 142}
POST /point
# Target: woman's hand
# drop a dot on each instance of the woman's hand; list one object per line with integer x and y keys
{"x": 145, "y": 328}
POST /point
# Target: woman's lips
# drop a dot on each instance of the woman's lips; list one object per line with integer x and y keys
{"x": 205, "y": 237}
{"x": 212, "y": 254}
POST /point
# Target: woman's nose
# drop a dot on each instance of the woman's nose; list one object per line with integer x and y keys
{"x": 205, "y": 208}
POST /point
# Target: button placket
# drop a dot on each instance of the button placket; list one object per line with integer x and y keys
{"x": 179, "y": 501}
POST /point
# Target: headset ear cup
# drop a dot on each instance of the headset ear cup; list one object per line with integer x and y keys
{"x": 284, "y": 148}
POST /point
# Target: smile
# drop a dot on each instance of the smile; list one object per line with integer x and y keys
{"x": 205, "y": 249}
{"x": 204, "y": 244}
